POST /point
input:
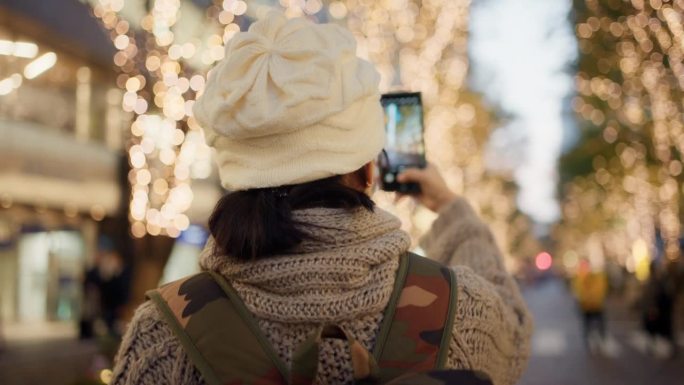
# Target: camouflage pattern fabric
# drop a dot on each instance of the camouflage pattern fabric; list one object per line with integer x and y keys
{"x": 418, "y": 321}
{"x": 218, "y": 332}
{"x": 224, "y": 342}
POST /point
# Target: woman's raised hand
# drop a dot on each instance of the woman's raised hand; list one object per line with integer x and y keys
{"x": 434, "y": 192}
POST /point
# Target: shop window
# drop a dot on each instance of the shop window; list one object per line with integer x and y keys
{"x": 50, "y": 266}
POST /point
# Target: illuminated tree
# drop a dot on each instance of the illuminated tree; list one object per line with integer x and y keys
{"x": 623, "y": 183}
{"x": 160, "y": 79}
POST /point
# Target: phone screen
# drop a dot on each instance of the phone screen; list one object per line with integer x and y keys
{"x": 405, "y": 147}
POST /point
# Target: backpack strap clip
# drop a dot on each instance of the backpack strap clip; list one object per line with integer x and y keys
{"x": 305, "y": 359}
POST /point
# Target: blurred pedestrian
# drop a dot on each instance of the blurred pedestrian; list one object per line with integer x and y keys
{"x": 658, "y": 306}
{"x": 299, "y": 251}
{"x": 590, "y": 289}
{"x": 90, "y": 305}
{"x": 105, "y": 292}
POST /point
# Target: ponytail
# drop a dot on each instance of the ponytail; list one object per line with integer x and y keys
{"x": 259, "y": 222}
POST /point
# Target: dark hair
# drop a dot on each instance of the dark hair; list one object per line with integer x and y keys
{"x": 258, "y": 222}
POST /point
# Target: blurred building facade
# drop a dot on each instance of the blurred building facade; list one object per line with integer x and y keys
{"x": 64, "y": 166}
{"x": 60, "y": 160}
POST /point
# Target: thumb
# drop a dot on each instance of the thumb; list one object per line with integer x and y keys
{"x": 411, "y": 175}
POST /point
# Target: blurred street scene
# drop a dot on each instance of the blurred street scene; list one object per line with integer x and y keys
{"x": 627, "y": 355}
{"x": 561, "y": 121}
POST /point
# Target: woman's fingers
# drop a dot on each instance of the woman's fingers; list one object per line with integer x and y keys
{"x": 412, "y": 175}
{"x": 434, "y": 192}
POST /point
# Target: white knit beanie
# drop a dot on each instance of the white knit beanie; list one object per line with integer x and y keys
{"x": 291, "y": 103}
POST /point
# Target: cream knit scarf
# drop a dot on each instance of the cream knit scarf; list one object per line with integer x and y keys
{"x": 346, "y": 273}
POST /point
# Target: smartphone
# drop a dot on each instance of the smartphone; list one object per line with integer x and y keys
{"x": 405, "y": 147}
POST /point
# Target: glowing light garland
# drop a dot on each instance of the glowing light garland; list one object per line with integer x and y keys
{"x": 166, "y": 146}
{"x": 631, "y": 87}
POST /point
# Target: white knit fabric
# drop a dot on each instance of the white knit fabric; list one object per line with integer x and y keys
{"x": 291, "y": 103}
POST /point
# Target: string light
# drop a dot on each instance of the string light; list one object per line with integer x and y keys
{"x": 630, "y": 88}
{"x": 166, "y": 148}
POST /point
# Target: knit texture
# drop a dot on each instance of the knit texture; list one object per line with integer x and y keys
{"x": 347, "y": 276}
{"x": 291, "y": 103}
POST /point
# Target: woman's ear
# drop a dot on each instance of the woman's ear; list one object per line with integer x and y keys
{"x": 369, "y": 173}
{"x": 361, "y": 179}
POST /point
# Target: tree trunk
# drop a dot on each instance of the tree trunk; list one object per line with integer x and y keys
{"x": 150, "y": 256}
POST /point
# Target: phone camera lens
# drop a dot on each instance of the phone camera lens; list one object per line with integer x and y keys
{"x": 389, "y": 177}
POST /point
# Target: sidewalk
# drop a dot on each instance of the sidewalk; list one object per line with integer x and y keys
{"x": 54, "y": 362}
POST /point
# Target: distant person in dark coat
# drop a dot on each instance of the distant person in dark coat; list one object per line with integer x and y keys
{"x": 105, "y": 291}
{"x": 658, "y": 303}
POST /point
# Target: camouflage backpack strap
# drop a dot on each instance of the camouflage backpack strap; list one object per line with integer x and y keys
{"x": 217, "y": 332}
{"x": 418, "y": 322}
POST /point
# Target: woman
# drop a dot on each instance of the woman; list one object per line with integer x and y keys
{"x": 295, "y": 119}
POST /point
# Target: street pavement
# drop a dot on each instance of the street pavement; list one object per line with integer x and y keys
{"x": 58, "y": 362}
{"x": 559, "y": 355}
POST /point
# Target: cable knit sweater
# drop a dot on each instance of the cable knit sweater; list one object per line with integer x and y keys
{"x": 346, "y": 276}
